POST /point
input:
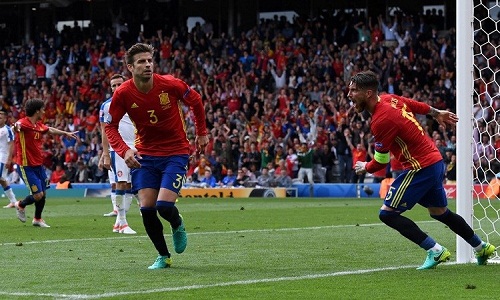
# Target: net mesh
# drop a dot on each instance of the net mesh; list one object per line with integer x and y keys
{"x": 486, "y": 122}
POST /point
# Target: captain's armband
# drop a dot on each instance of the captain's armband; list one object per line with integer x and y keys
{"x": 382, "y": 158}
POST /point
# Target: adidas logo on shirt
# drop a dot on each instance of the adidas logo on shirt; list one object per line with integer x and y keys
{"x": 134, "y": 105}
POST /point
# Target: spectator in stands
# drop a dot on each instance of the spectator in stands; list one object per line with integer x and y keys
{"x": 279, "y": 154}
{"x": 264, "y": 179}
{"x": 254, "y": 157}
{"x": 327, "y": 161}
{"x": 208, "y": 180}
{"x": 441, "y": 147}
{"x": 50, "y": 66}
{"x": 451, "y": 170}
{"x": 82, "y": 173}
{"x": 200, "y": 170}
{"x": 57, "y": 174}
{"x": 389, "y": 29}
{"x": 228, "y": 180}
{"x": 63, "y": 183}
{"x": 70, "y": 156}
{"x": 280, "y": 166}
{"x": 96, "y": 174}
{"x": 70, "y": 172}
{"x": 283, "y": 180}
{"x": 251, "y": 175}
{"x": 292, "y": 163}
{"x": 359, "y": 153}
{"x": 305, "y": 158}
{"x": 241, "y": 179}
{"x": 218, "y": 168}
{"x": 344, "y": 154}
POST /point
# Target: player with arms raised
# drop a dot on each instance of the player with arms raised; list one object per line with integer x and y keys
{"x": 396, "y": 130}
{"x": 154, "y": 104}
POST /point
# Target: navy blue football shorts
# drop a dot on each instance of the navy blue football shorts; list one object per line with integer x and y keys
{"x": 34, "y": 178}
{"x": 423, "y": 186}
{"x": 160, "y": 172}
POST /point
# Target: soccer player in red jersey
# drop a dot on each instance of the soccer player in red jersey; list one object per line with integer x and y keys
{"x": 396, "y": 130}
{"x": 30, "y": 131}
{"x": 154, "y": 103}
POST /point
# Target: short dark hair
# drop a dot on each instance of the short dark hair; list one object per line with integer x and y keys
{"x": 136, "y": 49}
{"x": 33, "y": 105}
{"x": 365, "y": 80}
{"x": 116, "y": 76}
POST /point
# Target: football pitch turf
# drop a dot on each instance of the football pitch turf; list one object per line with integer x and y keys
{"x": 254, "y": 248}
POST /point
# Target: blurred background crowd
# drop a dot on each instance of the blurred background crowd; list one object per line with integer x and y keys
{"x": 274, "y": 95}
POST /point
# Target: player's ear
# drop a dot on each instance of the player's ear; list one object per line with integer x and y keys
{"x": 130, "y": 67}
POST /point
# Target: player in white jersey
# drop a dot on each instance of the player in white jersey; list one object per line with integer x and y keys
{"x": 119, "y": 171}
{"x": 6, "y": 148}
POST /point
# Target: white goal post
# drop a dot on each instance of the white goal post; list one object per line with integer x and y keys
{"x": 464, "y": 127}
{"x": 479, "y": 211}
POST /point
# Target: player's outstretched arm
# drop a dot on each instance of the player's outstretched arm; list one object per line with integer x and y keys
{"x": 72, "y": 135}
{"x": 443, "y": 117}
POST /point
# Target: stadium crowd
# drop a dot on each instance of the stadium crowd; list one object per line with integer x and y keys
{"x": 275, "y": 94}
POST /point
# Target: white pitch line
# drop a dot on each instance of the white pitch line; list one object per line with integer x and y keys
{"x": 205, "y": 286}
{"x": 202, "y": 233}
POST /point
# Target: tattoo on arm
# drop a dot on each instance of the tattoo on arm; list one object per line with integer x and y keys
{"x": 433, "y": 112}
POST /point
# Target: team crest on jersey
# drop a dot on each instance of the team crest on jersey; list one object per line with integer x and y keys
{"x": 394, "y": 102}
{"x": 164, "y": 101}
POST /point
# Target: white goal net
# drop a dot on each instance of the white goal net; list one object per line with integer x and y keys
{"x": 478, "y": 79}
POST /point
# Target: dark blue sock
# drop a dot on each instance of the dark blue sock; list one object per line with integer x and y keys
{"x": 405, "y": 227}
{"x": 459, "y": 226}
{"x": 169, "y": 212}
{"x": 39, "y": 205}
{"x": 428, "y": 243}
{"x": 154, "y": 229}
{"x": 27, "y": 201}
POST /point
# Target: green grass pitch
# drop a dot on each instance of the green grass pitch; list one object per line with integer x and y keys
{"x": 295, "y": 248}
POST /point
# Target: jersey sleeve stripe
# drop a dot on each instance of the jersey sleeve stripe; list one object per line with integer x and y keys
{"x": 22, "y": 141}
{"x": 406, "y": 153}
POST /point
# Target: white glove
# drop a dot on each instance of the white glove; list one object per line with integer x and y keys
{"x": 360, "y": 167}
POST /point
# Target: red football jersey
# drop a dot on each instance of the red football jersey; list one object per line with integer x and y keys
{"x": 158, "y": 116}
{"x": 396, "y": 130}
{"x": 29, "y": 143}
